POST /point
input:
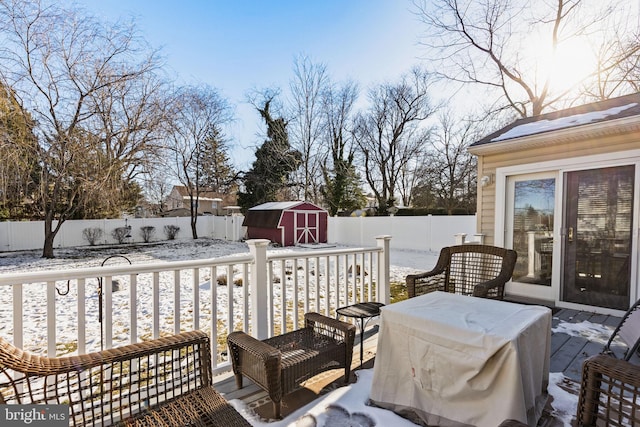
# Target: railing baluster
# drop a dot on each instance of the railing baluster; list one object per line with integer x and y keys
{"x": 272, "y": 299}
{"x": 230, "y": 325}
{"x": 214, "y": 316}
{"x": 156, "y": 304}
{"x": 306, "y": 285}
{"x": 107, "y": 313}
{"x": 283, "y": 297}
{"x": 176, "y": 301}
{"x": 82, "y": 317}
{"x": 294, "y": 273}
{"x": 195, "y": 282}
{"x": 327, "y": 286}
{"x": 245, "y": 297}
{"x": 354, "y": 279}
{"x": 370, "y": 281}
{"x": 336, "y": 275}
{"x": 133, "y": 307}
{"x": 18, "y": 330}
{"x": 316, "y": 270}
{"x": 51, "y": 318}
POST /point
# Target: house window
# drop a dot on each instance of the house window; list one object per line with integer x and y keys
{"x": 532, "y": 231}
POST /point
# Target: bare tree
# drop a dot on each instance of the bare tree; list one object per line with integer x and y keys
{"x": 392, "y": 133}
{"x": 199, "y": 114}
{"x": 490, "y": 43}
{"x": 449, "y": 170}
{"x": 307, "y": 85}
{"x": 341, "y": 189}
{"x": 619, "y": 71}
{"x": 60, "y": 64}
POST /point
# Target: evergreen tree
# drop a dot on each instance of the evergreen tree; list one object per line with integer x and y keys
{"x": 217, "y": 172}
{"x": 275, "y": 161}
{"x": 19, "y": 169}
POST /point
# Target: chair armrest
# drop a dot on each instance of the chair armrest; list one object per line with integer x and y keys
{"x": 430, "y": 281}
{"x": 110, "y": 385}
{"x": 482, "y": 289}
{"x": 257, "y": 360}
{"x": 609, "y": 387}
{"x": 497, "y": 284}
{"x": 337, "y": 329}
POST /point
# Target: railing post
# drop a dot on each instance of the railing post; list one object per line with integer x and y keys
{"x": 460, "y": 238}
{"x": 383, "y": 269}
{"x": 258, "y": 293}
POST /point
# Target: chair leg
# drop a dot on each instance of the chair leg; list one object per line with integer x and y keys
{"x": 238, "y": 380}
{"x": 347, "y": 374}
{"x": 276, "y": 409}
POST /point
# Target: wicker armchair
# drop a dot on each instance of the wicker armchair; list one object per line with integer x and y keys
{"x": 279, "y": 364}
{"x": 477, "y": 270}
{"x": 609, "y": 392}
{"x": 162, "y": 382}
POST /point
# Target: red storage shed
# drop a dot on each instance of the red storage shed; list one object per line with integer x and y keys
{"x": 287, "y": 223}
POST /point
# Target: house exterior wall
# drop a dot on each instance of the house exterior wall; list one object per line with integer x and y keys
{"x": 489, "y": 164}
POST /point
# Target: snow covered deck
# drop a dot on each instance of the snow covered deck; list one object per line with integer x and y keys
{"x": 575, "y": 336}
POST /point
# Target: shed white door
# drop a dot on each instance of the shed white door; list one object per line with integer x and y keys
{"x": 306, "y": 226}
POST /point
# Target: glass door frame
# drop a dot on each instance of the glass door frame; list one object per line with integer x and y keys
{"x": 528, "y": 289}
{"x": 559, "y": 167}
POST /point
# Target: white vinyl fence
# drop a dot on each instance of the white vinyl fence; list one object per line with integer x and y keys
{"x": 27, "y": 235}
{"x": 421, "y": 233}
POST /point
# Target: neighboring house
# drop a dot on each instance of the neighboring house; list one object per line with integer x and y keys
{"x": 287, "y": 223}
{"x": 209, "y": 202}
{"x": 563, "y": 189}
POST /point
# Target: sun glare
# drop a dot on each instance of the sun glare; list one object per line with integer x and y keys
{"x": 573, "y": 61}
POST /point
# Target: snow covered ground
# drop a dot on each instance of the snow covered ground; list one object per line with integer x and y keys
{"x": 325, "y": 411}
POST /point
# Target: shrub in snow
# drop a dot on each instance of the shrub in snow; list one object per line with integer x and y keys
{"x": 221, "y": 280}
{"x": 171, "y": 231}
{"x": 121, "y": 234}
{"x": 147, "y": 233}
{"x": 92, "y": 235}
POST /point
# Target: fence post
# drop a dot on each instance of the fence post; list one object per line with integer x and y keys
{"x": 383, "y": 293}
{"x": 258, "y": 295}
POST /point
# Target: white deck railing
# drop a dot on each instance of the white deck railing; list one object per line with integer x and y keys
{"x": 63, "y": 312}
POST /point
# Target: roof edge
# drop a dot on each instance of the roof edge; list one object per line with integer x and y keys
{"x": 571, "y": 134}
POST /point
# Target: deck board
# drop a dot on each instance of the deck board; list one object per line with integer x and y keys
{"x": 567, "y": 354}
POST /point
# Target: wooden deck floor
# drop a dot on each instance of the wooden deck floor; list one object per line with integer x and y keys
{"x": 567, "y": 354}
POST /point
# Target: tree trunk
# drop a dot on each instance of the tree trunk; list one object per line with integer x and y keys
{"x": 49, "y": 236}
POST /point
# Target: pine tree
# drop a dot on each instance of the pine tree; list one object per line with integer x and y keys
{"x": 275, "y": 161}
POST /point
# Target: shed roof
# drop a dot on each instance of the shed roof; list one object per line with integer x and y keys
{"x": 276, "y": 206}
{"x": 596, "y": 112}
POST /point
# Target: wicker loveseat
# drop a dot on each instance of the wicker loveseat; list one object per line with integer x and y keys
{"x": 162, "y": 382}
{"x": 279, "y": 364}
{"x": 478, "y": 270}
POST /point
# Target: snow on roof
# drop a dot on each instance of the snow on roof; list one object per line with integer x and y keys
{"x": 275, "y": 206}
{"x": 561, "y": 122}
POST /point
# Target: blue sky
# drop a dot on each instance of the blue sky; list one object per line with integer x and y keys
{"x": 237, "y": 45}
